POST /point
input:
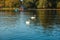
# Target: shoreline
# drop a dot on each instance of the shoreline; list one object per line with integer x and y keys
{"x": 11, "y": 9}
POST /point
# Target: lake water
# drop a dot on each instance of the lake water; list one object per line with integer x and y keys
{"x": 13, "y": 27}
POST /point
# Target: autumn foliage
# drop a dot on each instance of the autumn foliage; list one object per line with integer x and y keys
{"x": 17, "y": 3}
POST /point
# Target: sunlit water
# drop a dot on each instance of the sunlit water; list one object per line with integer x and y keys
{"x": 13, "y": 27}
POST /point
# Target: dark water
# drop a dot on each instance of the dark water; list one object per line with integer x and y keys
{"x": 13, "y": 27}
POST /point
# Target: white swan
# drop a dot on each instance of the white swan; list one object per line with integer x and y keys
{"x": 33, "y": 17}
{"x": 28, "y": 22}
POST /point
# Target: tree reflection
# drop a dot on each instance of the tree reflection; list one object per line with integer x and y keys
{"x": 46, "y": 19}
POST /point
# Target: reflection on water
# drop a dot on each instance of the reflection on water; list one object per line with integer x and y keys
{"x": 48, "y": 17}
{"x": 33, "y": 25}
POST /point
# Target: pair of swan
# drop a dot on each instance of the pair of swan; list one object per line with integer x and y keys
{"x": 28, "y": 21}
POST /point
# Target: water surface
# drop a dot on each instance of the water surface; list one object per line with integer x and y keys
{"x": 13, "y": 27}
